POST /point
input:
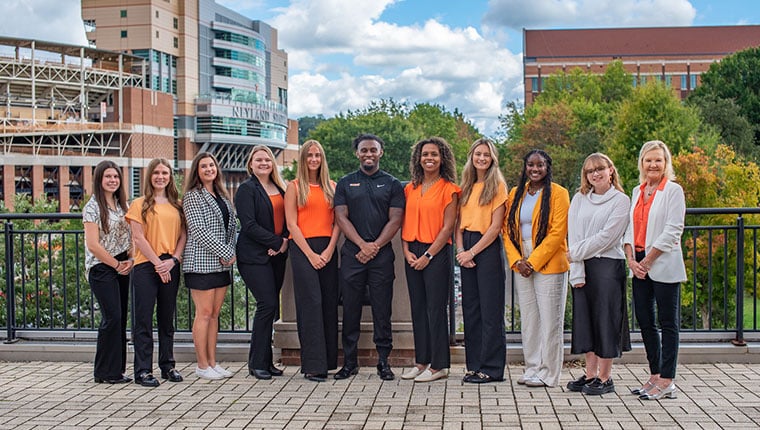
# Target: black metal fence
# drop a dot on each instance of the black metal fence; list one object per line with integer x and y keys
{"x": 43, "y": 286}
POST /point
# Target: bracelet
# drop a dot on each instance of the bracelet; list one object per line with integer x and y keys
{"x": 472, "y": 254}
{"x": 176, "y": 260}
{"x": 460, "y": 250}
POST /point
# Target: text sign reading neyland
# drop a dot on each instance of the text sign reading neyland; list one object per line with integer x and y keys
{"x": 249, "y": 112}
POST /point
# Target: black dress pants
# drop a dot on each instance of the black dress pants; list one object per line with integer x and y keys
{"x": 316, "y": 297}
{"x": 112, "y": 292}
{"x": 428, "y": 297}
{"x": 150, "y": 292}
{"x": 264, "y": 281}
{"x": 483, "y": 307}
{"x": 378, "y": 276}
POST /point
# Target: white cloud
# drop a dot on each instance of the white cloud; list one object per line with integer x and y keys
{"x": 519, "y": 14}
{"x": 49, "y": 20}
{"x": 428, "y": 62}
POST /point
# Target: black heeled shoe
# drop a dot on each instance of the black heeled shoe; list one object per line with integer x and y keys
{"x": 122, "y": 380}
{"x": 274, "y": 371}
{"x": 260, "y": 373}
{"x": 316, "y": 377}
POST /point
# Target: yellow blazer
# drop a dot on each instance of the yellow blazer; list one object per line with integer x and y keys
{"x": 551, "y": 255}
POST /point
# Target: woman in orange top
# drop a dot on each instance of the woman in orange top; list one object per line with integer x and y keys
{"x": 261, "y": 252}
{"x": 158, "y": 230}
{"x": 310, "y": 219}
{"x": 431, "y": 212}
{"x": 480, "y": 257}
{"x": 536, "y": 245}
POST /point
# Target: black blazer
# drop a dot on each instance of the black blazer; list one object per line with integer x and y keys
{"x": 254, "y": 210}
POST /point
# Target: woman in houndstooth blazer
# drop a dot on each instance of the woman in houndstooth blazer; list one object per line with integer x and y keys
{"x": 209, "y": 255}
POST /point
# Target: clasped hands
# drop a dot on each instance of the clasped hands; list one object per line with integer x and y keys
{"x": 639, "y": 268}
{"x": 367, "y": 251}
{"x": 523, "y": 267}
{"x": 284, "y": 247}
{"x": 124, "y": 267}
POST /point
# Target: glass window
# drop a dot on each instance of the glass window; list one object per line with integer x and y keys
{"x": 693, "y": 81}
{"x": 176, "y": 42}
{"x": 534, "y": 85}
{"x": 176, "y": 23}
{"x": 123, "y": 33}
{"x": 123, "y": 13}
{"x": 683, "y": 82}
{"x": 156, "y": 14}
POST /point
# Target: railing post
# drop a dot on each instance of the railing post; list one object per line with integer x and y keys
{"x": 10, "y": 298}
{"x": 739, "y": 341}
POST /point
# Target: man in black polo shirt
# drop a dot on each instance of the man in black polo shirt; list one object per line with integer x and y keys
{"x": 369, "y": 209}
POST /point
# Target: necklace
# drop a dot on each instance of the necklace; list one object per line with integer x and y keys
{"x": 426, "y": 185}
{"x": 649, "y": 190}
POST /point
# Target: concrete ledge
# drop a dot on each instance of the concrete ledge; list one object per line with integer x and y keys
{"x": 84, "y": 351}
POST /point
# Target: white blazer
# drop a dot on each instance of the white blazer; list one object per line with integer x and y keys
{"x": 664, "y": 229}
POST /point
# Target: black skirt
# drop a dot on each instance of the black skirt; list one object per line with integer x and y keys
{"x": 208, "y": 281}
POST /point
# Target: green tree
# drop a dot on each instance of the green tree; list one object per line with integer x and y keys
{"x": 726, "y": 118}
{"x": 306, "y": 124}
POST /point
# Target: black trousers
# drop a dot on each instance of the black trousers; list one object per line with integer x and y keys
{"x": 428, "y": 297}
{"x": 112, "y": 293}
{"x": 149, "y": 293}
{"x": 378, "y": 276}
{"x": 600, "y": 317}
{"x": 264, "y": 281}
{"x": 662, "y": 354}
{"x": 483, "y": 307}
{"x": 316, "y": 296}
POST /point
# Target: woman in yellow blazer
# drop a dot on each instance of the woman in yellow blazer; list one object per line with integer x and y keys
{"x": 535, "y": 240}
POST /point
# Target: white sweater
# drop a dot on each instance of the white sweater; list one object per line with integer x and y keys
{"x": 595, "y": 228}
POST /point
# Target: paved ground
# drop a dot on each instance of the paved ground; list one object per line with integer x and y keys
{"x": 40, "y": 395}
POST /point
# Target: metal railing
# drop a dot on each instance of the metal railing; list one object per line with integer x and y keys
{"x": 43, "y": 271}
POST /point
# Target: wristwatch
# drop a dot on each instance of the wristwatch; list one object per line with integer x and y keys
{"x": 428, "y": 255}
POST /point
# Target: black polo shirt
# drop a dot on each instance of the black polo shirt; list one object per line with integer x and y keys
{"x": 368, "y": 199}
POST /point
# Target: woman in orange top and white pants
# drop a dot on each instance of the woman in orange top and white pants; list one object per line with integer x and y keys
{"x": 431, "y": 211}
{"x": 311, "y": 221}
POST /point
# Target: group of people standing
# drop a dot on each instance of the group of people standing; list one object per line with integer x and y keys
{"x": 546, "y": 239}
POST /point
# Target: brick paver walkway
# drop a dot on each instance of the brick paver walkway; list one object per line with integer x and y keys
{"x": 62, "y": 395}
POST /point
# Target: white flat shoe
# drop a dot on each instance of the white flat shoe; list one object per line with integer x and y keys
{"x": 429, "y": 376}
{"x": 412, "y": 373}
{"x": 222, "y": 371}
{"x": 208, "y": 373}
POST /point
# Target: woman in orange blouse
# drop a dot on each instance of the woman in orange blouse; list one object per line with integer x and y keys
{"x": 262, "y": 252}
{"x": 431, "y": 211}
{"x": 480, "y": 257}
{"x": 310, "y": 218}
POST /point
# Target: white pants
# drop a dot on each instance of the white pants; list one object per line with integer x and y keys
{"x": 542, "y": 314}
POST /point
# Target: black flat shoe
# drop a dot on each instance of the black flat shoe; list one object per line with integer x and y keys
{"x": 172, "y": 375}
{"x": 274, "y": 371}
{"x": 385, "y": 372}
{"x": 260, "y": 373}
{"x": 469, "y": 375}
{"x": 482, "y": 378}
{"x": 122, "y": 380}
{"x": 316, "y": 377}
{"x": 146, "y": 380}
{"x": 346, "y": 372}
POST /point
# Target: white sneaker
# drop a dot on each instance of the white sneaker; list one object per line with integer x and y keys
{"x": 207, "y": 373}
{"x": 222, "y": 371}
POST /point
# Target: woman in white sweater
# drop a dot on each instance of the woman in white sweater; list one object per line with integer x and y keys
{"x": 597, "y": 221}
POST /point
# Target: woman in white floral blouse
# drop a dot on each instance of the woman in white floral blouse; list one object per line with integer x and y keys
{"x": 108, "y": 262}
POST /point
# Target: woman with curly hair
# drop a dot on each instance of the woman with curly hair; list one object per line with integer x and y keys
{"x": 536, "y": 246}
{"x": 158, "y": 230}
{"x": 480, "y": 257}
{"x": 432, "y": 198}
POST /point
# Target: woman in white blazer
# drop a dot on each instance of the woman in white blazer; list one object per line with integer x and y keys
{"x": 653, "y": 250}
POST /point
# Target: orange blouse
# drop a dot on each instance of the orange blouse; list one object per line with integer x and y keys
{"x": 423, "y": 215}
{"x": 278, "y": 210}
{"x": 641, "y": 216}
{"x": 316, "y": 217}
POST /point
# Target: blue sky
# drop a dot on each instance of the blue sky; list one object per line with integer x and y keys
{"x": 464, "y": 54}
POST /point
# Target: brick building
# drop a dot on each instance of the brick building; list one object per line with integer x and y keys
{"x": 675, "y": 55}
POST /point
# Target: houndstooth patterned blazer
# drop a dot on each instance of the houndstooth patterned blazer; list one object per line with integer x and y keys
{"x": 207, "y": 239}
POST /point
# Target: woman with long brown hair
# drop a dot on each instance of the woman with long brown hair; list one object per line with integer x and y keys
{"x": 158, "y": 229}
{"x": 209, "y": 255}
{"x": 108, "y": 245}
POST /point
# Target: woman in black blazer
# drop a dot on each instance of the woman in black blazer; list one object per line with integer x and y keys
{"x": 262, "y": 251}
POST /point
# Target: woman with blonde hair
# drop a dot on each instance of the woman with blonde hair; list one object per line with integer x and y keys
{"x": 209, "y": 255}
{"x": 311, "y": 222}
{"x": 158, "y": 230}
{"x": 480, "y": 257}
{"x": 262, "y": 252}
{"x": 597, "y": 221}
{"x": 653, "y": 250}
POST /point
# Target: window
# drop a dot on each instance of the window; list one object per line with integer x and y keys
{"x": 534, "y": 85}
{"x": 176, "y": 23}
{"x": 123, "y": 33}
{"x": 156, "y": 14}
{"x": 176, "y": 42}
{"x": 156, "y": 34}
{"x": 123, "y": 13}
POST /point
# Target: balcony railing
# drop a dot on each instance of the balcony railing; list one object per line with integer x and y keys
{"x": 43, "y": 286}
